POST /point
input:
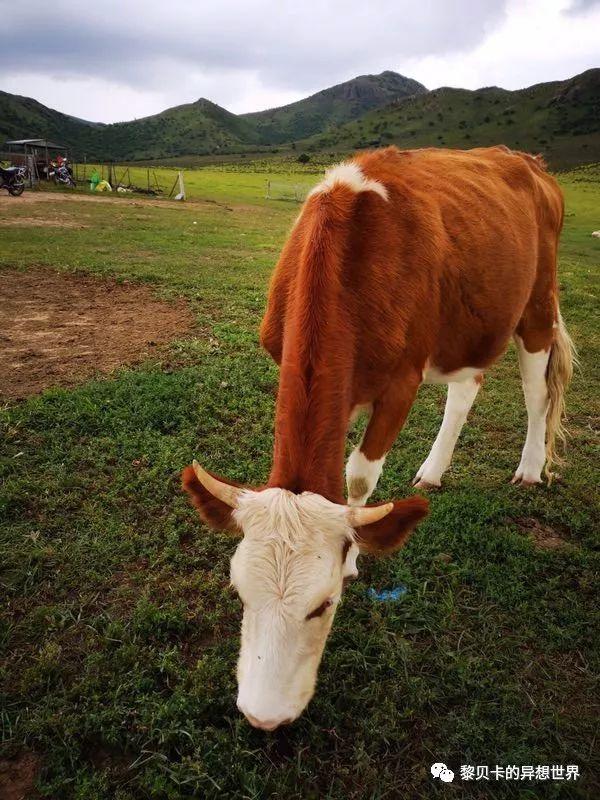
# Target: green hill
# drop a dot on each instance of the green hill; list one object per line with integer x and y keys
{"x": 25, "y": 118}
{"x": 200, "y": 127}
{"x": 332, "y": 106}
{"x": 560, "y": 119}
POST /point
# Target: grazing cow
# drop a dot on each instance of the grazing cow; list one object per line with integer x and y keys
{"x": 403, "y": 267}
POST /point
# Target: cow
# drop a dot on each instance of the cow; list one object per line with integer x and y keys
{"x": 403, "y": 268}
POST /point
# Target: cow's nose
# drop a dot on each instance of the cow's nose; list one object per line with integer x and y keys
{"x": 266, "y": 724}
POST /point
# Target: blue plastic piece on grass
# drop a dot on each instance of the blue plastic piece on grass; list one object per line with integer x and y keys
{"x": 387, "y": 595}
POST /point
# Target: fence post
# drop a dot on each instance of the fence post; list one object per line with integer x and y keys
{"x": 173, "y": 188}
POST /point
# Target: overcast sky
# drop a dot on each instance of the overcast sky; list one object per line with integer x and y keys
{"x": 113, "y": 60}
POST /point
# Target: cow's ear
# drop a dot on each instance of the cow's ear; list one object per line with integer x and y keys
{"x": 213, "y": 511}
{"x": 392, "y": 531}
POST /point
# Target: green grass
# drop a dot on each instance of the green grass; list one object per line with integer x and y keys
{"x": 234, "y": 182}
{"x": 119, "y": 634}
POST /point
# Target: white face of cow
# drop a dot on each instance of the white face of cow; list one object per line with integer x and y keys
{"x": 289, "y": 571}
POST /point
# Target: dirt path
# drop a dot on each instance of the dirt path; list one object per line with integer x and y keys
{"x": 58, "y": 329}
{"x": 31, "y": 198}
{"x": 17, "y": 777}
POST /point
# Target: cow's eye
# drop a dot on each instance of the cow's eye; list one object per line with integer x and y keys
{"x": 319, "y": 610}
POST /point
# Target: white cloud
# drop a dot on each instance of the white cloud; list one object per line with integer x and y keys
{"x": 139, "y": 56}
{"x": 113, "y": 60}
{"x": 102, "y": 100}
{"x": 537, "y": 42}
{"x": 93, "y": 99}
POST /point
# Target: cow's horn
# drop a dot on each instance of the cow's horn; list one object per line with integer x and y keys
{"x": 367, "y": 514}
{"x": 223, "y": 491}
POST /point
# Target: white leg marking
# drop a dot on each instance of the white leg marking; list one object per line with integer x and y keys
{"x": 533, "y": 375}
{"x": 361, "y": 477}
{"x": 458, "y": 403}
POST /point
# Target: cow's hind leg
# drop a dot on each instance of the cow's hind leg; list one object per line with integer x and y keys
{"x": 533, "y": 368}
{"x": 458, "y": 404}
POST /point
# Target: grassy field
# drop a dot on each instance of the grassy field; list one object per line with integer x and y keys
{"x": 118, "y": 631}
{"x": 236, "y": 182}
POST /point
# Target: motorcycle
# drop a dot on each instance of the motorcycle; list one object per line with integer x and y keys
{"x": 62, "y": 174}
{"x": 13, "y": 180}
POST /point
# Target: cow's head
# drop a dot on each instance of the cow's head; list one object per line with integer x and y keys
{"x": 295, "y": 555}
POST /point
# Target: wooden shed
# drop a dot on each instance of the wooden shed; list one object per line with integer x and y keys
{"x": 37, "y": 154}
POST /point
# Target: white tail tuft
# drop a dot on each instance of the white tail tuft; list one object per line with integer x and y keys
{"x": 350, "y": 174}
{"x": 563, "y": 357}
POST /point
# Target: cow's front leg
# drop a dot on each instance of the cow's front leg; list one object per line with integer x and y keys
{"x": 362, "y": 475}
{"x": 387, "y": 419}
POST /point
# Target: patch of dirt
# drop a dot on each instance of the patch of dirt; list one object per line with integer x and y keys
{"x": 543, "y": 536}
{"x": 33, "y": 197}
{"x": 59, "y": 329}
{"x": 23, "y": 222}
{"x": 17, "y": 777}
{"x": 29, "y": 197}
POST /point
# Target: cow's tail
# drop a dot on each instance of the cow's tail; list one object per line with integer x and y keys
{"x": 563, "y": 357}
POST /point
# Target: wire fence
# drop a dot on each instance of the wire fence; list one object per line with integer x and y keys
{"x": 172, "y": 183}
{"x": 165, "y": 181}
{"x": 141, "y": 180}
{"x": 279, "y": 190}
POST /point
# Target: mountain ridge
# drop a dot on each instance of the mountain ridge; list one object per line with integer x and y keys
{"x": 560, "y": 118}
{"x": 333, "y": 105}
{"x": 200, "y": 126}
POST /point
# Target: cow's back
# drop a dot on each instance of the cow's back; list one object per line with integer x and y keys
{"x": 462, "y": 261}
{"x": 438, "y": 265}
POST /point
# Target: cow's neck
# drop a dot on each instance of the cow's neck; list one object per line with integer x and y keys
{"x": 310, "y": 427}
{"x": 313, "y": 409}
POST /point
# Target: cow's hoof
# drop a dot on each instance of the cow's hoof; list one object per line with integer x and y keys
{"x": 519, "y": 480}
{"x": 426, "y": 486}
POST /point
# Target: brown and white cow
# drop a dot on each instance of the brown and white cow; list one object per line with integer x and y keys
{"x": 403, "y": 267}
